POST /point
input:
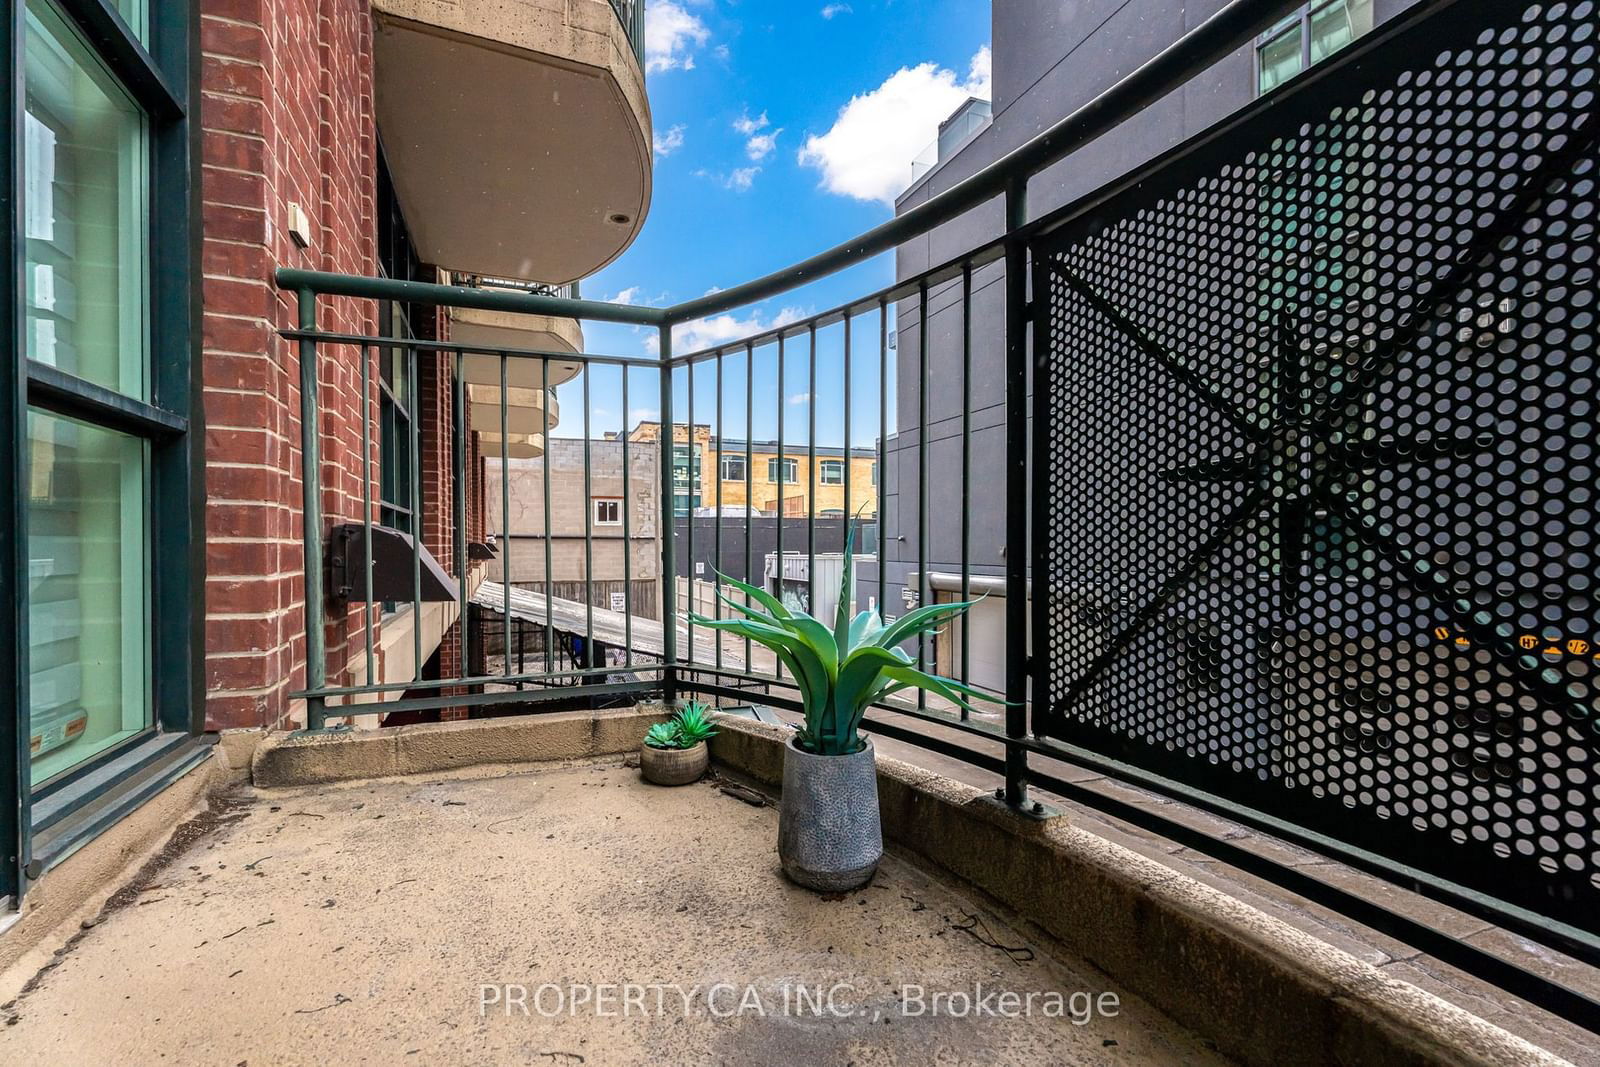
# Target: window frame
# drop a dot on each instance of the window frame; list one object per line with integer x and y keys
{"x": 823, "y": 466}
{"x": 598, "y": 504}
{"x": 790, "y": 468}
{"x": 1300, "y": 21}
{"x": 724, "y": 465}
{"x": 155, "y": 69}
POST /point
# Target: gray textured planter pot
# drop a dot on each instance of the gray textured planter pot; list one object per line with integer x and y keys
{"x": 673, "y": 766}
{"x": 829, "y": 837}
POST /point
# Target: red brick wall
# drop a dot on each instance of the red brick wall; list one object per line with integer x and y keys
{"x": 286, "y": 110}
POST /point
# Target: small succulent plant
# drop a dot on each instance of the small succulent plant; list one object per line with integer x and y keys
{"x": 687, "y": 728}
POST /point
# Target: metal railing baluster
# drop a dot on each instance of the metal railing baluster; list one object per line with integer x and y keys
{"x": 366, "y": 507}
{"x": 458, "y": 464}
{"x": 627, "y": 534}
{"x": 311, "y": 523}
{"x": 812, "y": 481}
{"x": 689, "y": 510}
{"x": 716, "y": 548}
{"x": 413, "y": 373}
{"x": 505, "y": 515}
{"x": 923, "y": 585}
{"x": 544, "y": 465}
{"x": 749, "y": 473}
{"x": 883, "y": 448}
{"x": 966, "y": 468}
{"x": 588, "y": 531}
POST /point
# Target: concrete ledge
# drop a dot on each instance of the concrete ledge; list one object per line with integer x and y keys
{"x": 1264, "y": 991}
{"x": 335, "y": 756}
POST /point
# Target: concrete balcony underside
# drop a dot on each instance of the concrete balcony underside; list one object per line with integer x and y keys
{"x": 412, "y": 892}
{"x": 517, "y": 132}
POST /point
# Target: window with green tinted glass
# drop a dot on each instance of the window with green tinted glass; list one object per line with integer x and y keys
{"x": 1308, "y": 36}
{"x": 107, "y": 518}
{"x": 85, "y": 213}
{"x": 87, "y": 591}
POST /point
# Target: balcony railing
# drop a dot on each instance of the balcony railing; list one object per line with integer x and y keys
{"x": 631, "y": 14}
{"x": 1284, "y": 479}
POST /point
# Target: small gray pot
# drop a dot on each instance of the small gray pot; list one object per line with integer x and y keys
{"x": 829, "y": 837}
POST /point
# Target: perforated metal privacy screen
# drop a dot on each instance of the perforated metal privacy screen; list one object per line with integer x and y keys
{"x": 1315, "y": 510}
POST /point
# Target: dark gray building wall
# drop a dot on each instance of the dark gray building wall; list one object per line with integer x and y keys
{"x": 1049, "y": 58}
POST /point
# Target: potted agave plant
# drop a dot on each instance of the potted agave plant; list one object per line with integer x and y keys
{"x": 674, "y": 752}
{"x": 829, "y": 835}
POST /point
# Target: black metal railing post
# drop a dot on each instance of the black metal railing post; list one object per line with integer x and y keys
{"x": 1017, "y": 665}
{"x": 311, "y": 522}
{"x": 669, "y": 619}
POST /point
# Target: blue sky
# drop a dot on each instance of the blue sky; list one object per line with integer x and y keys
{"x": 781, "y": 129}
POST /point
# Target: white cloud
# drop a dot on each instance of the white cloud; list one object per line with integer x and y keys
{"x": 630, "y": 295}
{"x": 699, "y": 334}
{"x": 746, "y": 125}
{"x": 799, "y": 398}
{"x": 830, "y": 10}
{"x": 761, "y": 145}
{"x": 868, "y": 151}
{"x": 669, "y": 142}
{"x": 671, "y": 35}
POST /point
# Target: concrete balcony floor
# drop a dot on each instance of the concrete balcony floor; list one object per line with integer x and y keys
{"x": 360, "y": 923}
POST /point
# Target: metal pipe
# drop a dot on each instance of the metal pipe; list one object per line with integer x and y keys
{"x": 883, "y": 446}
{"x": 1017, "y": 664}
{"x": 716, "y": 549}
{"x": 812, "y": 481}
{"x": 669, "y": 621}
{"x": 549, "y": 580}
{"x": 366, "y": 501}
{"x": 505, "y": 518}
{"x": 415, "y": 408}
{"x": 588, "y": 533}
{"x": 966, "y": 468}
{"x": 845, "y": 544}
{"x": 311, "y": 504}
{"x": 627, "y": 536}
{"x": 461, "y": 296}
{"x": 458, "y": 464}
{"x": 924, "y": 587}
{"x": 688, "y": 520}
{"x": 749, "y": 473}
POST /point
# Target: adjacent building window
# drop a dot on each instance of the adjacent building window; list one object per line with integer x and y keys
{"x": 791, "y": 470}
{"x": 733, "y": 468}
{"x": 607, "y": 511}
{"x": 685, "y": 479}
{"x": 874, "y": 472}
{"x": 832, "y": 472}
{"x": 1308, "y": 36}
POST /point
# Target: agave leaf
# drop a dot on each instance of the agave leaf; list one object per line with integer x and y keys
{"x": 948, "y": 688}
{"x": 919, "y": 620}
{"x": 760, "y": 596}
{"x": 841, "y": 611}
{"x": 864, "y": 628}
{"x": 796, "y": 653}
{"x": 818, "y": 638}
{"x": 746, "y": 609}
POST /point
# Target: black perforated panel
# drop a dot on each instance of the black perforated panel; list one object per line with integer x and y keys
{"x": 1317, "y": 507}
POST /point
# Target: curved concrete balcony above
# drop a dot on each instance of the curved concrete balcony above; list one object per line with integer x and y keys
{"x": 501, "y": 329}
{"x": 517, "y": 446}
{"x": 525, "y": 409}
{"x": 517, "y": 132}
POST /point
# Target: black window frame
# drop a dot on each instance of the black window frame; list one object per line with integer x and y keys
{"x": 160, "y": 76}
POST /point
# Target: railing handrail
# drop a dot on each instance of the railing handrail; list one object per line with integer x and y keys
{"x": 1232, "y": 27}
